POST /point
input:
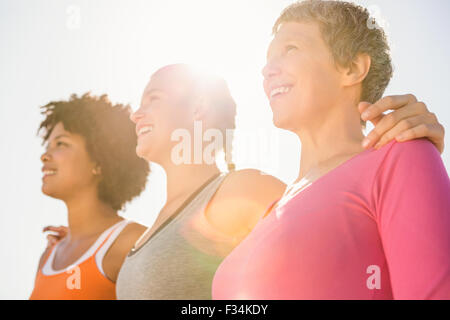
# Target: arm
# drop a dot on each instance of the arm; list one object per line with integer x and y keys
{"x": 409, "y": 120}
{"x": 412, "y": 194}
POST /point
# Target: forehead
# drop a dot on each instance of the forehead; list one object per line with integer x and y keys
{"x": 169, "y": 80}
{"x": 58, "y": 130}
{"x": 305, "y": 33}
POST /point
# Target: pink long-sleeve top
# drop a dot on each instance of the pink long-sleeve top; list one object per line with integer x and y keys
{"x": 375, "y": 227}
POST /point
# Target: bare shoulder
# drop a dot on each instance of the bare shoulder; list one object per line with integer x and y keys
{"x": 252, "y": 184}
{"x": 242, "y": 200}
{"x": 128, "y": 237}
{"x": 115, "y": 256}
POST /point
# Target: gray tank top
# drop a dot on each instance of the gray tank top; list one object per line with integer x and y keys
{"x": 180, "y": 260}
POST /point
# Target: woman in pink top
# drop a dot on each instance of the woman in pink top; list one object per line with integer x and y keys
{"x": 357, "y": 224}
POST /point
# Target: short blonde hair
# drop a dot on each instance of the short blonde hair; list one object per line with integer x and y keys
{"x": 345, "y": 29}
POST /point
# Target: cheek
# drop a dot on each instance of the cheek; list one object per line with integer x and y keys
{"x": 72, "y": 174}
{"x": 78, "y": 168}
{"x": 317, "y": 81}
{"x": 306, "y": 84}
{"x": 177, "y": 118}
{"x": 309, "y": 73}
{"x": 154, "y": 144}
{"x": 326, "y": 75}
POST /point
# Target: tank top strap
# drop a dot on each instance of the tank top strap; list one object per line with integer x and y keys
{"x": 187, "y": 240}
{"x": 47, "y": 268}
{"x": 201, "y": 201}
{"x": 101, "y": 251}
{"x": 199, "y": 198}
{"x": 109, "y": 236}
{"x": 49, "y": 257}
{"x": 211, "y": 190}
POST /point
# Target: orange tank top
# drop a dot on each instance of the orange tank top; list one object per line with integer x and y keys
{"x": 83, "y": 280}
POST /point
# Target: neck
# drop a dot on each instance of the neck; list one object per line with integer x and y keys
{"x": 87, "y": 215}
{"x": 333, "y": 139}
{"x": 183, "y": 180}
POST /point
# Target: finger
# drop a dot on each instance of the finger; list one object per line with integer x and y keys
{"x": 53, "y": 228}
{"x": 61, "y": 230}
{"x": 363, "y": 106}
{"x": 400, "y": 127}
{"x": 385, "y": 104}
{"x": 53, "y": 237}
{"x": 434, "y": 132}
{"x": 390, "y": 120}
{"x": 51, "y": 240}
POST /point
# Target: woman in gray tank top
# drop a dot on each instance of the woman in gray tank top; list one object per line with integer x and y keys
{"x": 207, "y": 213}
{"x": 179, "y": 261}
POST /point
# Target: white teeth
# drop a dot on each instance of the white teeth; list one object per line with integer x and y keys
{"x": 145, "y": 130}
{"x": 279, "y": 90}
{"x": 49, "y": 172}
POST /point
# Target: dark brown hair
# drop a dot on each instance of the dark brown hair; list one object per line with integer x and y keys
{"x": 110, "y": 141}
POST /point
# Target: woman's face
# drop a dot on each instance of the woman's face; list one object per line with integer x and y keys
{"x": 67, "y": 167}
{"x": 300, "y": 77}
{"x": 165, "y": 107}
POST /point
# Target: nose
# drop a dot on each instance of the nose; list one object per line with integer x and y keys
{"x": 45, "y": 157}
{"x": 136, "y": 116}
{"x": 271, "y": 69}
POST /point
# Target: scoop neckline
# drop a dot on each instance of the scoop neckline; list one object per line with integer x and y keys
{"x": 83, "y": 258}
{"x": 295, "y": 195}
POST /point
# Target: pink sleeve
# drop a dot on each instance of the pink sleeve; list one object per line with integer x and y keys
{"x": 412, "y": 203}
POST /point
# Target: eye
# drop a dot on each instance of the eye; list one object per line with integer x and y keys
{"x": 290, "y": 47}
{"x": 153, "y": 98}
{"x": 60, "y": 143}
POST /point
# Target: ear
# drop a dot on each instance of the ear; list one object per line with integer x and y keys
{"x": 200, "y": 108}
{"x": 97, "y": 171}
{"x": 357, "y": 71}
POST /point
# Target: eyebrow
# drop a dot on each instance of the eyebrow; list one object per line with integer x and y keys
{"x": 56, "y": 138}
{"x": 147, "y": 92}
{"x": 61, "y": 136}
{"x": 297, "y": 37}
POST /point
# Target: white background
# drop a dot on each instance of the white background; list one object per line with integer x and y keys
{"x": 47, "y": 54}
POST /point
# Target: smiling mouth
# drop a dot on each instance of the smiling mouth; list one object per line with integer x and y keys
{"x": 48, "y": 173}
{"x": 279, "y": 91}
{"x": 145, "y": 130}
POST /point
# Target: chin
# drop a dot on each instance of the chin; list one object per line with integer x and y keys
{"x": 143, "y": 153}
{"x": 283, "y": 114}
{"x": 48, "y": 191}
{"x": 281, "y": 122}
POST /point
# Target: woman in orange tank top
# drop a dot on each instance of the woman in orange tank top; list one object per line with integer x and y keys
{"x": 90, "y": 164}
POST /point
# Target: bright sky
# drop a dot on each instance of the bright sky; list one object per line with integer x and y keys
{"x": 51, "y": 49}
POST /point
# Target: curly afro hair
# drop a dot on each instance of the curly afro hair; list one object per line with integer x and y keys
{"x": 110, "y": 141}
